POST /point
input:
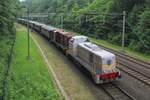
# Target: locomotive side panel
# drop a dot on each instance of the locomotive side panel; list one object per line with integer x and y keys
{"x": 91, "y": 59}
{"x": 83, "y": 54}
{"x": 97, "y": 65}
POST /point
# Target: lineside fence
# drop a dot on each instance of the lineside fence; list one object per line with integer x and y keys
{"x": 7, "y": 69}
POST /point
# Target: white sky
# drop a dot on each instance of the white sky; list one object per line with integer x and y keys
{"x": 22, "y": 0}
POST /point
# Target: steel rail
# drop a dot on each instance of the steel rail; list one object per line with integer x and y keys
{"x": 116, "y": 92}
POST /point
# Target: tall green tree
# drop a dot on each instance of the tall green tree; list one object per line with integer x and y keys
{"x": 101, "y": 26}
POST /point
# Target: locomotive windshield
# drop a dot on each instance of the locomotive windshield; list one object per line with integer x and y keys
{"x": 87, "y": 40}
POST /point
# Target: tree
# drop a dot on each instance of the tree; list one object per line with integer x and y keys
{"x": 102, "y": 26}
{"x": 7, "y": 16}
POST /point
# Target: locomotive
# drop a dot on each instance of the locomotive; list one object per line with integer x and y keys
{"x": 101, "y": 64}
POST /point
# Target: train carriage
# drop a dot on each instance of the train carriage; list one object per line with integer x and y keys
{"x": 37, "y": 26}
{"x": 45, "y": 31}
{"x": 31, "y": 24}
{"x": 48, "y": 32}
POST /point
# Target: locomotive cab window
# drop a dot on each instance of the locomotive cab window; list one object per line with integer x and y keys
{"x": 87, "y": 40}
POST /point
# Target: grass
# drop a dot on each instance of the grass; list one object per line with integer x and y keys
{"x": 128, "y": 51}
{"x": 29, "y": 79}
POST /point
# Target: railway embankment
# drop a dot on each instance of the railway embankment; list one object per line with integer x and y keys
{"x": 29, "y": 79}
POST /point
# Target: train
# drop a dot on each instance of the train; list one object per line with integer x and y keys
{"x": 101, "y": 64}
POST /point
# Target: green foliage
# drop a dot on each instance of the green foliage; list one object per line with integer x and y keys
{"x": 102, "y": 25}
{"x": 8, "y": 10}
{"x": 143, "y": 29}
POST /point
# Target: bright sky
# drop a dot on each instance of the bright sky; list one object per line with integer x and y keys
{"x": 22, "y": 0}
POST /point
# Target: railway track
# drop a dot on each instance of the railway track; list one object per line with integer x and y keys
{"x": 136, "y": 74}
{"x": 134, "y": 60}
{"x": 135, "y": 67}
{"x": 116, "y": 92}
{"x": 128, "y": 58}
{"x": 132, "y": 69}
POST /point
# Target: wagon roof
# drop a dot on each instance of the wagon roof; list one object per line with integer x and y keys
{"x": 59, "y": 30}
{"x": 48, "y": 27}
{"x": 38, "y": 23}
{"x": 65, "y": 33}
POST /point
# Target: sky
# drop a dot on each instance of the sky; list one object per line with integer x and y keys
{"x": 22, "y": 0}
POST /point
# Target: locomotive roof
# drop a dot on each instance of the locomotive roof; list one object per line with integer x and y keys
{"x": 96, "y": 50}
{"x": 80, "y": 36}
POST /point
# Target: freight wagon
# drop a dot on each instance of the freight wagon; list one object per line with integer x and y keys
{"x": 62, "y": 39}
